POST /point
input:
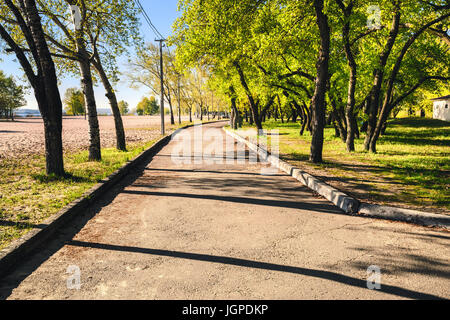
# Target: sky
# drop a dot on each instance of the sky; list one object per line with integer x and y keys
{"x": 161, "y": 12}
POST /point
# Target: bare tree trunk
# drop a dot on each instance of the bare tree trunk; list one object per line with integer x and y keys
{"x": 349, "y": 110}
{"x": 88, "y": 90}
{"x": 318, "y": 100}
{"x": 253, "y": 104}
{"x": 172, "y": 119}
{"x": 111, "y": 95}
{"x": 374, "y": 97}
{"x": 45, "y": 84}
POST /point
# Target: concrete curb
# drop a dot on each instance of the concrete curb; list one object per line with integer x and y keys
{"x": 405, "y": 215}
{"x": 21, "y": 247}
{"x": 343, "y": 201}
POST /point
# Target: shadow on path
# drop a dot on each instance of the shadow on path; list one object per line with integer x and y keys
{"x": 327, "y": 275}
{"x": 321, "y": 207}
{"x": 216, "y": 172}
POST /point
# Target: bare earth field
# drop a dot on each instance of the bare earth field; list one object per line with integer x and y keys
{"x": 28, "y": 196}
{"x": 26, "y": 135}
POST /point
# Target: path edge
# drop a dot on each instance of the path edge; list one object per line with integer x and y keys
{"x": 18, "y": 249}
{"x": 346, "y": 203}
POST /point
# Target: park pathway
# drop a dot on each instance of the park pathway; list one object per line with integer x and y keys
{"x": 224, "y": 231}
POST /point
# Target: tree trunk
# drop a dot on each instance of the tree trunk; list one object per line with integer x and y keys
{"x": 111, "y": 95}
{"x": 253, "y": 104}
{"x": 172, "y": 119}
{"x": 340, "y": 129}
{"x": 374, "y": 97}
{"x": 355, "y": 127}
{"x": 179, "y": 112}
{"x": 349, "y": 109}
{"x": 294, "y": 115}
{"x": 235, "y": 113}
{"x": 46, "y": 91}
{"x": 318, "y": 100}
{"x": 88, "y": 90}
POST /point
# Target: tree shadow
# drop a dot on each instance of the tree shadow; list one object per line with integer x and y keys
{"x": 21, "y": 225}
{"x": 419, "y": 123}
{"x": 318, "y": 207}
{"x": 214, "y": 172}
{"x": 44, "y": 178}
{"x": 10, "y": 131}
{"x": 320, "y": 274}
{"x": 401, "y": 261}
{"x": 396, "y": 139}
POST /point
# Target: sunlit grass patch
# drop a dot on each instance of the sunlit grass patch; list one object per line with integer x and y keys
{"x": 411, "y": 165}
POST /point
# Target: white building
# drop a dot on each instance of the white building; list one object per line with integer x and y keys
{"x": 441, "y": 108}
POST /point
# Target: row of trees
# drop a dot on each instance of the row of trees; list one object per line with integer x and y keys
{"x": 12, "y": 96}
{"x": 187, "y": 90}
{"x": 55, "y": 38}
{"x": 346, "y": 60}
{"x": 75, "y": 105}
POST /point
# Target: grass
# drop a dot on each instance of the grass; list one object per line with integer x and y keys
{"x": 410, "y": 169}
{"x": 28, "y": 196}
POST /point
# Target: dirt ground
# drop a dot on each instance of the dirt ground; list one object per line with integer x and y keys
{"x": 25, "y": 136}
{"x": 212, "y": 230}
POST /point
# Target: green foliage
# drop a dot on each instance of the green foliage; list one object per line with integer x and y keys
{"x": 123, "y": 107}
{"x": 74, "y": 102}
{"x": 108, "y": 27}
{"x": 267, "y": 53}
{"x": 147, "y": 106}
{"x": 12, "y": 95}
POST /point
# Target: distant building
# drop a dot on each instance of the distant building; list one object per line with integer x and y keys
{"x": 441, "y": 108}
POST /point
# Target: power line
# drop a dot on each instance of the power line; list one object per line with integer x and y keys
{"x": 148, "y": 20}
{"x": 160, "y": 40}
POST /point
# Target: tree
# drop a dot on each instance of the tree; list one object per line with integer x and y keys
{"x": 74, "y": 102}
{"x": 145, "y": 70}
{"x": 12, "y": 96}
{"x": 147, "y": 106}
{"x": 123, "y": 107}
{"x": 316, "y": 60}
{"x": 390, "y": 101}
{"x": 25, "y": 35}
{"x": 105, "y": 30}
{"x": 318, "y": 100}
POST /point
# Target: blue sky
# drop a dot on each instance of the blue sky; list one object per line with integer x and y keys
{"x": 162, "y": 13}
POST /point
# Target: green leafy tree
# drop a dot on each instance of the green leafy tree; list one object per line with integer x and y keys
{"x": 123, "y": 107}
{"x": 22, "y": 31}
{"x": 12, "y": 96}
{"x": 147, "y": 106}
{"x": 145, "y": 70}
{"x": 74, "y": 102}
{"x": 104, "y": 32}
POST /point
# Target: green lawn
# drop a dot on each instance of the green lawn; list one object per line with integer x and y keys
{"x": 28, "y": 196}
{"x": 411, "y": 168}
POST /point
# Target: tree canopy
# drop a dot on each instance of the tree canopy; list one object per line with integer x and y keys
{"x": 265, "y": 55}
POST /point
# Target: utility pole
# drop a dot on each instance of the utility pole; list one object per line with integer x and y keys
{"x": 179, "y": 97}
{"x": 162, "y": 83}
